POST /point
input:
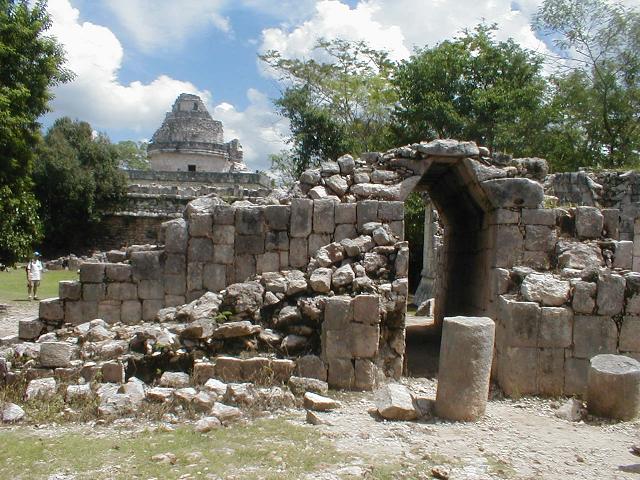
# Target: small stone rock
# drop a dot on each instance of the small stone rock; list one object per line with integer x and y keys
{"x": 394, "y": 402}
{"x": 11, "y": 413}
{"x": 313, "y": 401}
{"x": 174, "y": 379}
{"x": 207, "y": 424}
{"x": 572, "y": 410}
{"x": 225, "y": 413}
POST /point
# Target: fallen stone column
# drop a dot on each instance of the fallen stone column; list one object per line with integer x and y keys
{"x": 466, "y": 352}
{"x": 613, "y": 389}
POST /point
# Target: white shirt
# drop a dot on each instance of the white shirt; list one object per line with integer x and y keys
{"x": 34, "y": 270}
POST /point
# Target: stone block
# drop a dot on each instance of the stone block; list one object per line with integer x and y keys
{"x": 30, "y": 329}
{"x": 200, "y": 250}
{"x": 175, "y": 284}
{"x": 611, "y": 220}
{"x": 94, "y": 292}
{"x": 584, "y": 294}
{"x": 539, "y": 238}
{"x": 245, "y": 267}
{"x": 284, "y": 260}
{"x": 463, "y": 380}
{"x": 229, "y": 369}
{"x": 345, "y": 213}
{"x": 593, "y": 335}
{"x": 256, "y": 369}
{"x": 397, "y": 228}
{"x": 175, "y": 264}
{"x": 503, "y": 216}
{"x": 55, "y": 354}
{"x": 176, "y": 236}
{"x": 89, "y": 310}
{"x": 536, "y": 260}
{"x": 146, "y": 265}
{"x": 365, "y": 374}
{"x": 51, "y": 310}
{"x": 575, "y": 376}
{"x": 539, "y": 216}
{"x": 311, "y": 366}
{"x": 516, "y": 371}
{"x": 366, "y": 211}
{"x": 521, "y": 322}
{"x": 150, "y": 308}
{"x": 69, "y": 290}
{"x": 131, "y": 312}
{"x": 338, "y": 313}
{"x": 556, "y": 327}
{"x": 268, "y": 262}
{"x": 545, "y": 289}
{"x": 589, "y": 222}
{"x": 250, "y": 221}
{"x": 610, "y": 298}
{"x": 200, "y": 225}
{"x": 224, "y": 215}
{"x": 613, "y": 387}
{"x": 364, "y": 340}
{"x": 335, "y": 344}
{"x": 341, "y": 374}
{"x": 249, "y": 244}
{"x": 366, "y": 309}
{"x": 513, "y": 192}
{"x": 282, "y": 369}
{"x": 298, "y": 254}
{"x": 118, "y": 272}
{"x": 551, "y": 371}
{"x": 301, "y": 217}
{"x": 109, "y": 311}
{"x": 174, "y": 300}
{"x": 214, "y": 277}
{"x": 195, "y": 271}
{"x": 276, "y": 241}
{"x": 317, "y": 241}
{"x": 150, "y": 289}
{"x": 92, "y": 272}
{"x": 203, "y": 371}
{"x": 224, "y": 254}
{"x": 73, "y": 312}
{"x": 630, "y": 334}
{"x": 623, "y": 256}
{"x": 122, "y": 291}
{"x": 113, "y": 372}
{"x": 223, "y": 235}
{"x": 511, "y": 242}
{"x": 324, "y": 216}
{"x": 390, "y": 211}
{"x": 343, "y": 231}
{"x": 277, "y": 216}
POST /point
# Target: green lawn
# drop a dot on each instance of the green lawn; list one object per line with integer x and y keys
{"x": 13, "y": 284}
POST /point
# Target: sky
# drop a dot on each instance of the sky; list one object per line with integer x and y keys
{"x": 132, "y": 58}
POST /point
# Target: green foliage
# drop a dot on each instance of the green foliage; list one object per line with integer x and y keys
{"x": 335, "y": 106}
{"x": 132, "y": 155}
{"x": 77, "y": 180}
{"x": 472, "y": 88}
{"x": 30, "y": 64}
{"x": 597, "y": 84}
{"x": 414, "y": 219}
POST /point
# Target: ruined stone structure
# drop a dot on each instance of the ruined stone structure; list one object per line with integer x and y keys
{"x": 190, "y": 140}
{"x": 331, "y": 268}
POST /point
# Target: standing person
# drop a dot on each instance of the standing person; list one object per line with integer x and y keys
{"x": 34, "y": 274}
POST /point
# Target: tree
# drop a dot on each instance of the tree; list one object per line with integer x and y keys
{"x": 473, "y": 88}
{"x": 597, "y": 80}
{"x": 336, "y": 106}
{"x": 77, "y": 180}
{"x": 31, "y": 63}
{"x": 132, "y": 155}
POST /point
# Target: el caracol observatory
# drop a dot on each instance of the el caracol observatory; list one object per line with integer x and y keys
{"x": 189, "y": 140}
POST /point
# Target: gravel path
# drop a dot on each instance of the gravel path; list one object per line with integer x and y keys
{"x": 15, "y": 312}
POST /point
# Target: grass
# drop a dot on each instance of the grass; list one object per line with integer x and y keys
{"x": 265, "y": 449}
{"x": 13, "y": 284}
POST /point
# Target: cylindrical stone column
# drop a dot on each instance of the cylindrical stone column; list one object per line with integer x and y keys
{"x": 613, "y": 387}
{"x": 466, "y": 352}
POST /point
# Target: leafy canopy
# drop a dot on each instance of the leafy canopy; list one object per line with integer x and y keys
{"x": 30, "y": 64}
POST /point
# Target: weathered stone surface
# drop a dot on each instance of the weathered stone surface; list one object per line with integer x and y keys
{"x": 174, "y": 380}
{"x": 324, "y": 216}
{"x": 69, "y": 290}
{"x": 342, "y": 277}
{"x": 365, "y": 374}
{"x": 623, "y": 256}
{"x": 513, "y": 192}
{"x": 366, "y": 309}
{"x": 630, "y": 334}
{"x": 301, "y": 217}
{"x": 30, "y": 329}
{"x": 55, "y": 354}
{"x": 113, "y": 372}
{"x": 395, "y": 402}
{"x": 463, "y": 380}
{"x": 376, "y": 190}
{"x": 176, "y": 236}
{"x": 341, "y": 373}
{"x": 311, "y": 176}
{"x": 320, "y": 280}
{"x": 146, "y": 265}
{"x": 579, "y": 255}
{"x": 160, "y": 394}
{"x": 213, "y": 385}
{"x": 317, "y": 193}
{"x": 235, "y": 329}
{"x": 589, "y": 222}
{"x": 207, "y": 424}
{"x": 300, "y": 385}
{"x": 225, "y": 413}
{"x": 296, "y": 282}
{"x": 346, "y": 164}
{"x": 294, "y": 343}
{"x": 614, "y": 387}
{"x": 572, "y": 410}
{"x": 311, "y": 366}
{"x": 584, "y": 297}
{"x": 41, "y": 388}
{"x": 337, "y": 184}
{"x": 229, "y": 369}
{"x": 11, "y": 413}
{"x": 539, "y": 216}
{"x": 545, "y": 289}
{"x": 448, "y": 148}
{"x": 539, "y": 238}
{"x": 556, "y": 327}
{"x": 593, "y": 335}
{"x": 51, "y": 309}
{"x": 245, "y": 297}
{"x": 611, "y": 288}
{"x": 92, "y": 272}
{"x": 318, "y": 403}
{"x": 520, "y": 322}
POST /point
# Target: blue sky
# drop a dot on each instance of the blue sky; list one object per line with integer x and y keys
{"x": 132, "y": 58}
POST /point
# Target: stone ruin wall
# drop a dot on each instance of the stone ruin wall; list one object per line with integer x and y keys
{"x": 558, "y": 283}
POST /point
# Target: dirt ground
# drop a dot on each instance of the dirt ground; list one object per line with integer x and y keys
{"x": 16, "y": 311}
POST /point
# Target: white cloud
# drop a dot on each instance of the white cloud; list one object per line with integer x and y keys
{"x": 168, "y": 23}
{"x": 96, "y": 95}
{"x": 260, "y": 129}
